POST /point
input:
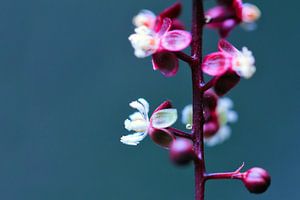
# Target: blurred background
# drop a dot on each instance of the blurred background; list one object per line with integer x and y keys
{"x": 67, "y": 74}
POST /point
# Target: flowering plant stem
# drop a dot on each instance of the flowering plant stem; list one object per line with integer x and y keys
{"x": 197, "y": 80}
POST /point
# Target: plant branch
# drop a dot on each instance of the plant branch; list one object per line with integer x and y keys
{"x": 197, "y": 80}
{"x": 184, "y": 57}
{"x": 209, "y": 84}
{"x": 180, "y": 133}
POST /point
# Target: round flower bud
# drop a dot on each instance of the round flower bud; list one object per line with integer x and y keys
{"x": 210, "y": 128}
{"x": 181, "y": 151}
{"x": 210, "y": 99}
{"x": 256, "y": 180}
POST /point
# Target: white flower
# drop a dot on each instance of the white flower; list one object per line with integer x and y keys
{"x": 250, "y": 13}
{"x": 223, "y": 134}
{"x": 145, "y": 18}
{"x": 243, "y": 63}
{"x": 187, "y": 116}
{"x": 225, "y": 115}
{"x": 139, "y": 121}
{"x": 144, "y": 41}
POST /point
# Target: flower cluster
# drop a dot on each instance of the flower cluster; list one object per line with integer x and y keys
{"x": 160, "y": 36}
{"x": 164, "y": 38}
{"x": 218, "y": 114}
{"x": 163, "y": 117}
{"x": 230, "y": 13}
{"x": 229, "y": 58}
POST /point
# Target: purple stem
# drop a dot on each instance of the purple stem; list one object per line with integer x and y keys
{"x": 225, "y": 175}
{"x": 180, "y": 133}
{"x": 198, "y": 21}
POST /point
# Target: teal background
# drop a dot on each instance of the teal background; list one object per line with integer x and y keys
{"x": 67, "y": 74}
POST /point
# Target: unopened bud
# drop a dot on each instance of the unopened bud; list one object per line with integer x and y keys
{"x": 181, "y": 151}
{"x": 256, "y": 180}
{"x": 210, "y": 129}
{"x": 210, "y": 99}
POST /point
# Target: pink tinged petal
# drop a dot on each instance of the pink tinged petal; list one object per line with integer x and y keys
{"x": 176, "y": 40}
{"x": 227, "y": 26}
{"x": 238, "y": 8}
{"x": 165, "y": 26}
{"x": 162, "y": 137}
{"x": 172, "y": 12}
{"x": 166, "y": 62}
{"x": 216, "y": 64}
{"x": 165, "y": 105}
{"x": 218, "y": 13}
{"x": 225, "y": 46}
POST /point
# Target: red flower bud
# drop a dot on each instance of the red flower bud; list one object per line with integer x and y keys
{"x": 210, "y": 129}
{"x": 256, "y": 180}
{"x": 181, "y": 151}
{"x": 226, "y": 82}
{"x": 162, "y": 137}
{"x": 210, "y": 99}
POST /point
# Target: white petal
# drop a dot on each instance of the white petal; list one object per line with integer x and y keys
{"x": 145, "y": 104}
{"x": 232, "y": 116}
{"x": 127, "y": 124}
{"x": 133, "y": 139}
{"x": 164, "y": 118}
{"x": 137, "y": 105}
{"x": 139, "y": 125}
{"x": 222, "y": 135}
{"x": 136, "y": 116}
{"x": 187, "y": 114}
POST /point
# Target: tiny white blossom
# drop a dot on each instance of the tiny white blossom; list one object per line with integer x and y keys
{"x": 225, "y": 115}
{"x": 144, "y": 41}
{"x": 243, "y": 63}
{"x": 250, "y": 13}
{"x": 139, "y": 122}
{"x": 223, "y": 134}
{"x": 145, "y": 18}
{"x": 187, "y": 116}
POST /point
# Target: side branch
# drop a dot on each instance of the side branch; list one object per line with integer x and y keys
{"x": 180, "y": 133}
{"x": 184, "y": 57}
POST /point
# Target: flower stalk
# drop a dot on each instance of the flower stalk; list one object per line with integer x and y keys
{"x": 164, "y": 37}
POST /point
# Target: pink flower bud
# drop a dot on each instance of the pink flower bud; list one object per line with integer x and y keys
{"x": 162, "y": 137}
{"x": 181, "y": 151}
{"x": 256, "y": 180}
{"x": 210, "y": 128}
{"x": 172, "y": 12}
{"x": 226, "y": 82}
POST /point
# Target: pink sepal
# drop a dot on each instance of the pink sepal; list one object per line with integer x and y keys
{"x": 176, "y": 40}
{"x": 165, "y": 26}
{"x": 226, "y": 47}
{"x": 162, "y": 137}
{"x": 216, "y": 64}
{"x": 226, "y": 27}
{"x": 165, "y": 105}
{"x": 238, "y": 9}
{"x": 172, "y": 12}
{"x": 226, "y": 82}
{"x": 219, "y": 12}
{"x": 166, "y": 62}
{"x": 177, "y": 25}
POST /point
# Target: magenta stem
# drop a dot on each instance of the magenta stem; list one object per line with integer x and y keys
{"x": 183, "y": 56}
{"x": 197, "y": 80}
{"x": 209, "y": 84}
{"x": 225, "y": 175}
{"x": 180, "y": 133}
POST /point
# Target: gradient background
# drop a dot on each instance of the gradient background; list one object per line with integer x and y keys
{"x": 67, "y": 74}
